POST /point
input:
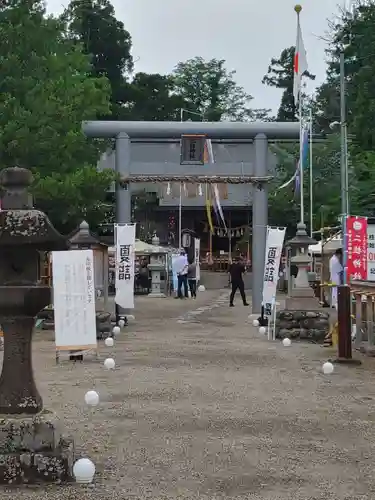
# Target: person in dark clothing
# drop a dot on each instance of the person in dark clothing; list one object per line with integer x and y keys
{"x": 192, "y": 277}
{"x": 236, "y": 271}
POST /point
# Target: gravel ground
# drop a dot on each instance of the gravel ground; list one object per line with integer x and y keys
{"x": 209, "y": 409}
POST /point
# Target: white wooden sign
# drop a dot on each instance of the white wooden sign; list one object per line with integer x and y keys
{"x": 74, "y": 300}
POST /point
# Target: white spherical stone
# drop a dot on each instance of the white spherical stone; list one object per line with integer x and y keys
{"x": 121, "y": 323}
{"x": 116, "y": 330}
{"x": 287, "y": 342}
{"x": 327, "y": 368}
{"x": 255, "y": 322}
{"x": 84, "y": 471}
{"x": 91, "y": 398}
{"x": 262, "y": 330}
{"x": 201, "y": 288}
{"x": 109, "y": 363}
{"x": 109, "y": 342}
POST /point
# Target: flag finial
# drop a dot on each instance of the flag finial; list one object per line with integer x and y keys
{"x": 298, "y": 8}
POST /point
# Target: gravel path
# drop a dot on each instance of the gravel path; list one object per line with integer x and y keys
{"x": 207, "y": 409}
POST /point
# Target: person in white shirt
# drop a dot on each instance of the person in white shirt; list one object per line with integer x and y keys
{"x": 181, "y": 266}
{"x": 336, "y": 272}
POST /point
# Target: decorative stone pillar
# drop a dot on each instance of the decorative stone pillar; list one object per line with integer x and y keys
{"x": 31, "y": 448}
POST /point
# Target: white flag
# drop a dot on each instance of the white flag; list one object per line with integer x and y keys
{"x": 274, "y": 247}
{"x": 300, "y": 64}
{"x": 125, "y": 258}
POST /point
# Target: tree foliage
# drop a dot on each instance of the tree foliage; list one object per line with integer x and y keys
{"x": 93, "y": 24}
{"x": 209, "y": 90}
{"x": 280, "y": 74}
{"x": 45, "y": 93}
{"x": 151, "y": 98}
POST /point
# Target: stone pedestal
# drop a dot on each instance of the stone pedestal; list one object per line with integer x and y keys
{"x": 303, "y": 316}
{"x": 156, "y": 270}
{"x": 302, "y": 325}
{"x": 32, "y": 450}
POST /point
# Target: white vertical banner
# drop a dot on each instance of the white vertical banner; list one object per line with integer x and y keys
{"x": 197, "y": 252}
{"x": 74, "y": 299}
{"x": 125, "y": 259}
{"x": 274, "y": 247}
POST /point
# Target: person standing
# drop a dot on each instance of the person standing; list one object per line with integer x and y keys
{"x": 336, "y": 274}
{"x": 181, "y": 266}
{"x": 192, "y": 277}
{"x": 236, "y": 272}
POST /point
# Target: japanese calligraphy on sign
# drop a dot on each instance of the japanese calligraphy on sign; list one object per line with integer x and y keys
{"x": 125, "y": 261}
{"x": 192, "y": 149}
{"x": 274, "y": 246}
{"x": 370, "y": 252}
{"x": 356, "y": 234}
{"x": 74, "y": 299}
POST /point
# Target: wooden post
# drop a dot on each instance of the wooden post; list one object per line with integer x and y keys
{"x": 370, "y": 320}
{"x": 344, "y": 326}
{"x": 358, "y": 320}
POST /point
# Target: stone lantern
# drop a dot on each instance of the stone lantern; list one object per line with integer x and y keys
{"x": 303, "y": 317}
{"x": 157, "y": 265}
{"x": 31, "y": 448}
{"x": 301, "y": 259}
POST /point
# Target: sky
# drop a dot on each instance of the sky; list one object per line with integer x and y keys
{"x": 246, "y": 33}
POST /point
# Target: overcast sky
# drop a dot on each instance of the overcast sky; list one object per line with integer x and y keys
{"x": 246, "y": 33}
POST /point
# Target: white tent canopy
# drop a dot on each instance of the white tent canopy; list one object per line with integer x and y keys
{"x": 141, "y": 247}
{"x": 329, "y": 246}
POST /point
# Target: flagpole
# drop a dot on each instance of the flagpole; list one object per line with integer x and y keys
{"x": 180, "y": 202}
{"x": 301, "y": 165}
{"x": 300, "y": 66}
{"x": 311, "y": 175}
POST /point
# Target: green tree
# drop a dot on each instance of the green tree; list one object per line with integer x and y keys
{"x": 94, "y": 25}
{"x": 151, "y": 98}
{"x": 45, "y": 93}
{"x": 209, "y": 89}
{"x": 284, "y": 205}
{"x": 280, "y": 74}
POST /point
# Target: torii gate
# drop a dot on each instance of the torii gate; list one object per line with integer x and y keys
{"x": 260, "y": 133}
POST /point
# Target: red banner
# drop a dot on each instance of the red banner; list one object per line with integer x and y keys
{"x": 356, "y": 234}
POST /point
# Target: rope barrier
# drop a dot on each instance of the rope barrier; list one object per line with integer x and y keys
{"x": 198, "y": 179}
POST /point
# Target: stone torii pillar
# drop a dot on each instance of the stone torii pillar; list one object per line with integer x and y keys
{"x": 259, "y": 132}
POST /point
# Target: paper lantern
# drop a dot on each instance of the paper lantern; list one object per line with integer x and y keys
{"x": 116, "y": 330}
{"x": 109, "y": 363}
{"x": 255, "y": 322}
{"x": 109, "y": 342}
{"x": 121, "y": 323}
{"x": 92, "y": 398}
{"x": 84, "y": 471}
{"x": 287, "y": 342}
{"x": 262, "y": 330}
{"x": 327, "y": 368}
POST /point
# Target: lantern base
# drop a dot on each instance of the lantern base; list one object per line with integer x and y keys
{"x": 33, "y": 451}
